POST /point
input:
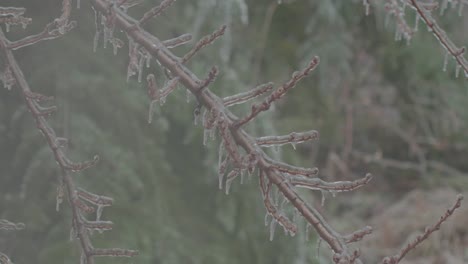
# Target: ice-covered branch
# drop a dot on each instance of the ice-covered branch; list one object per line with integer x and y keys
{"x": 205, "y": 41}
{"x": 4, "y": 259}
{"x": 278, "y": 93}
{"x": 456, "y": 52}
{"x": 50, "y": 32}
{"x": 358, "y": 235}
{"x": 249, "y": 95}
{"x": 12, "y": 11}
{"x": 7, "y": 225}
{"x": 402, "y": 29}
{"x": 238, "y": 150}
{"x": 293, "y": 138}
{"x": 209, "y": 79}
{"x": 155, "y": 11}
{"x": 175, "y": 42}
{"x": 424, "y": 12}
{"x": 218, "y": 116}
{"x": 81, "y": 227}
{"x": 290, "y": 169}
{"x": 272, "y": 210}
{"x": 13, "y": 16}
{"x": 318, "y": 184}
{"x": 424, "y": 235}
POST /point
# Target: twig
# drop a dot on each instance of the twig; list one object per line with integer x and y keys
{"x": 205, "y": 41}
{"x": 441, "y": 35}
{"x": 155, "y": 11}
{"x": 423, "y": 236}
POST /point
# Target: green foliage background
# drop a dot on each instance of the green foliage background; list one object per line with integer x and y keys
{"x": 163, "y": 180}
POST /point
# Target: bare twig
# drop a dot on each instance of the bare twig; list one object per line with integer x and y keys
{"x": 155, "y": 11}
{"x": 423, "y": 236}
{"x": 278, "y": 93}
{"x": 205, "y": 41}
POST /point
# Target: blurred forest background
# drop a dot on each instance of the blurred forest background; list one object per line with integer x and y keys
{"x": 380, "y": 105}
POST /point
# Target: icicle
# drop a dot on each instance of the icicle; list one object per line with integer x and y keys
{"x": 116, "y": 48}
{"x": 276, "y": 197}
{"x": 8, "y": 79}
{"x": 162, "y": 100}
{"x": 59, "y": 197}
{"x": 272, "y": 229}
{"x": 295, "y": 218}
{"x": 188, "y": 95}
{"x": 133, "y": 58}
{"x": 83, "y": 259}
{"x": 443, "y": 6}
{"x": 284, "y": 201}
{"x": 78, "y": 4}
{"x": 221, "y": 165}
{"x": 460, "y": 7}
{"x": 266, "y": 219}
{"x": 140, "y": 68}
{"x": 7, "y": 27}
{"x": 444, "y": 68}
{"x": 333, "y": 193}
{"x": 106, "y": 31}
{"x": 366, "y": 5}
{"x": 228, "y": 186}
{"x": 72, "y": 234}
{"x": 148, "y": 60}
{"x": 99, "y": 212}
{"x": 250, "y": 173}
{"x": 416, "y": 23}
{"x": 196, "y": 116}
{"x": 307, "y": 231}
{"x": 116, "y": 44}
{"x": 322, "y": 203}
{"x": 151, "y": 112}
{"x": 220, "y": 180}
{"x": 457, "y": 70}
{"x": 293, "y": 145}
{"x": 220, "y": 154}
{"x": 397, "y": 35}
{"x": 206, "y": 134}
{"x": 242, "y": 175}
{"x": 319, "y": 242}
{"x": 212, "y": 133}
{"x": 97, "y": 33}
